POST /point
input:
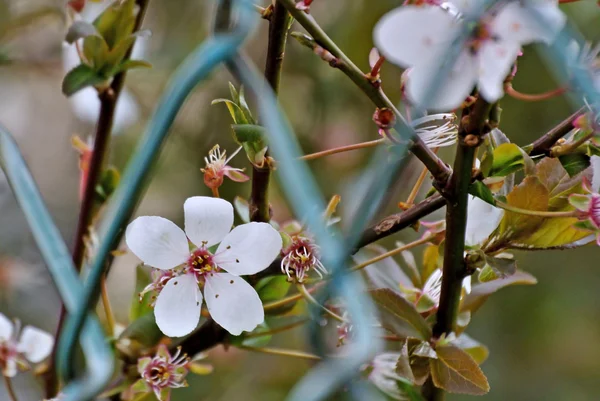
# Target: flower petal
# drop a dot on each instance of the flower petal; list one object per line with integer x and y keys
{"x": 482, "y": 220}
{"x": 158, "y": 242}
{"x": 450, "y": 94}
{"x": 233, "y": 303}
{"x": 515, "y": 23}
{"x": 35, "y": 344}
{"x": 10, "y": 368}
{"x": 408, "y": 35}
{"x": 6, "y": 328}
{"x": 495, "y": 62}
{"x": 248, "y": 248}
{"x": 177, "y": 309}
{"x": 207, "y": 220}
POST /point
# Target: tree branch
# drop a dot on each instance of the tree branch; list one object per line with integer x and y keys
{"x": 473, "y": 126}
{"x": 440, "y": 171}
{"x": 542, "y": 145}
{"x": 396, "y": 222}
{"x": 108, "y": 104}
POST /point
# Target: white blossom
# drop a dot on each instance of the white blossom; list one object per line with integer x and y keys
{"x": 231, "y": 301}
{"x": 420, "y": 37}
{"x": 17, "y": 347}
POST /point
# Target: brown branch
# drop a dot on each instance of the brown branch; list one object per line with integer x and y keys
{"x": 108, "y": 103}
{"x": 543, "y": 145}
{"x": 396, "y": 222}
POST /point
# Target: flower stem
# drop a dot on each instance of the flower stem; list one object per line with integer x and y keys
{"x": 290, "y": 299}
{"x": 438, "y": 168}
{"x": 9, "y": 388}
{"x": 536, "y": 213}
{"x": 341, "y": 149}
{"x": 313, "y": 301}
{"x": 215, "y": 192}
{"x": 533, "y": 98}
{"x": 108, "y": 311}
{"x": 282, "y": 352}
{"x": 393, "y": 252}
{"x": 277, "y": 329}
{"x": 108, "y": 104}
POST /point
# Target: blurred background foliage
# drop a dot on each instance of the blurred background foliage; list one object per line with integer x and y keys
{"x": 543, "y": 339}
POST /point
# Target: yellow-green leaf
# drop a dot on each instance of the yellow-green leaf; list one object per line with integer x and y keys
{"x": 530, "y": 194}
{"x": 507, "y": 158}
{"x": 431, "y": 261}
{"x": 80, "y": 77}
{"x": 456, "y": 372}
{"x": 400, "y": 316}
{"x": 554, "y": 232}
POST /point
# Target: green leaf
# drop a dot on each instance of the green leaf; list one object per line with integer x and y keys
{"x": 409, "y": 391}
{"x": 107, "y": 184}
{"x": 255, "y": 340}
{"x": 80, "y": 77}
{"x": 478, "y": 351}
{"x": 237, "y": 115}
{"x": 503, "y": 267}
{"x": 80, "y": 29}
{"x": 400, "y": 316}
{"x": 249, "y": 133}
{"x": 456, "y": 372}
{"x": 480, "y": 190}
{"x": 116, "y": 55}
{"x": 530, "y": 194}
{"x": 272, "y": 288}
{"x": 95, "y": 51}
{"x": 139, "y": 308}
{"x": 507, "y": 158}
{"x": 130, "y": 65}
{"x": 574, "y": 163}
{"x": 480, "y": 292}
{"x": 244, "y": 107}
{"x": 141, "y": 334}
{"x": 116, "y": 22}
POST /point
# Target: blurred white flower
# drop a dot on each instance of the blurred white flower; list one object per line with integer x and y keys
{"x": 32, "y": 345}
{"x": 419, "y": 37}
{"x": 85, "y": 103}
{"x": 433, "y": 286}
{"x": 231, "y": 301}
{"x": 383, "y": 375}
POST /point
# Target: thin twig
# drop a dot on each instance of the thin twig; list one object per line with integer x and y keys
{"x": 108, "y": 104}
{"x": 277, "y": 330}
{"x": 393, "y": 252}
{"x": 341, "y": 149}
{"x": 313, "y": 301}
{"x": 9, "y": 388}
{"x": 536, "y": 213}
{"x": 533, "y": 98}
{"x": 282, "y": 352}
{"x": 108, "y": 311}
{"x": 415, "y": 191}
{"x": 396, "y": 222}
{"x": 436, "y": 166}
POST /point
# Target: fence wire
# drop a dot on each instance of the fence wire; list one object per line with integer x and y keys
{"x": 295, "y": 178}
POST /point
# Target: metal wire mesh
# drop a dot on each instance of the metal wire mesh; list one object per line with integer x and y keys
{"x": 296, "y": 180}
